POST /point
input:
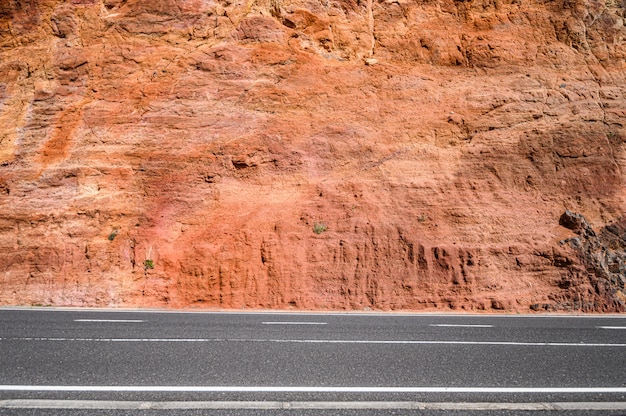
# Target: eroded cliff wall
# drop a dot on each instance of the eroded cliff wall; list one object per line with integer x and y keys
{"x": 315, "y": 154}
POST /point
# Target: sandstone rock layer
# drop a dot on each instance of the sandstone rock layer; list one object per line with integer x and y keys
{"x": 327, "y": 154}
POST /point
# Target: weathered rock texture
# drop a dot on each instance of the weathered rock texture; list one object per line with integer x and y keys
{"x": 326, "y": 154}
{"x": 603, "y": 258}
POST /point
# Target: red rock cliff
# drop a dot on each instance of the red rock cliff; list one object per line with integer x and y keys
{"x": 327, "y": 154}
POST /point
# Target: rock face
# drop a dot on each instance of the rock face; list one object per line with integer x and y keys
{"x": 603, "y": 256}
{"x": 333, "y": 154}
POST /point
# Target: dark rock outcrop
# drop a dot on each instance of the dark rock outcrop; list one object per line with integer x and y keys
{"x": 603, "y": 255}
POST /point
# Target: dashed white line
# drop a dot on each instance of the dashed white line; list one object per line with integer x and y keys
{"x": 293, "y": 323}
{"x": 461, "y": 326}
{"x": 110, "y": 320}
{"x": 611, "y": 327}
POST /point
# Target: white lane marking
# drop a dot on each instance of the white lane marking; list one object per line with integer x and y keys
{"x": 109, "y": 320}
{"x": 611, "y": 327}
{"x": 461, "y": 326}
{"x": 115, "y": 339}
{"x": 314, "y": 389}
{"x": 293, "y": 323}
{"x": 324, "y": 341}
{"x": 317, "y": 405}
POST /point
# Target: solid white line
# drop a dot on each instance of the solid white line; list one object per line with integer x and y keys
{"x": 461, "y": 326}
{"x": 117, "y": 339}
{"x": 326, "y": 341}
{"x": 611, "y": 327}
{"x": 293, "y": 323}
{"x": 314, "y": 389}
{"x": 317, "y": 405}
{"x": 109, "y": 320}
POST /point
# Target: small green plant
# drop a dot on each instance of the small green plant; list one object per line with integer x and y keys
{"x": 113, "y": 234}
{"x": 148, "y": 264}
{"x": 422, "y": 218}
{"x": 319, "y": 227}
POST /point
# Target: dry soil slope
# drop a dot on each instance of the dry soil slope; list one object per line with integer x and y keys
{"x": 314, "y": 154}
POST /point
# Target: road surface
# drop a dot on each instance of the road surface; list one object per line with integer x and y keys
{"x": 71, "y": 362}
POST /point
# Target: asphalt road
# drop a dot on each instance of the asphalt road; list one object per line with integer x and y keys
{"x": 75, "y": 362}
